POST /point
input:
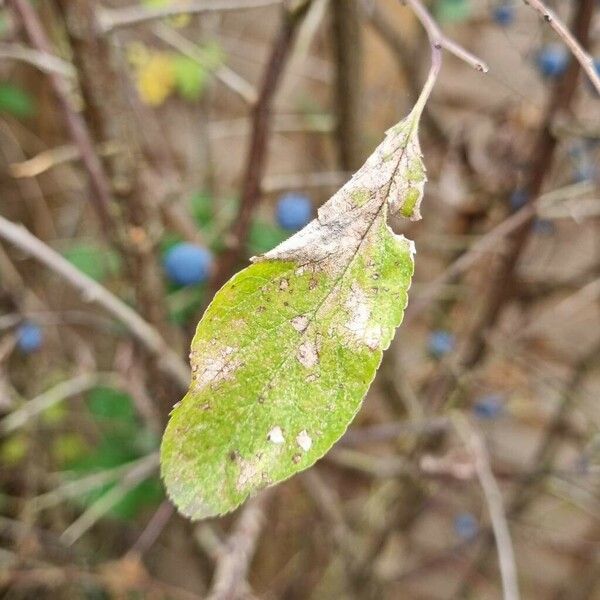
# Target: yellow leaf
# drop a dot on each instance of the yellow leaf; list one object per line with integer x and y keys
{"x": 156, "y": 79}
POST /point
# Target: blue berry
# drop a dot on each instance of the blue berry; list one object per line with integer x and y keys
{"x": 466, "y": 526}
{"x": 293, "y": 211}
{"x": 29, "y": 337}
{"x": 552, "y": 60}
{"x": 187, "y": 264}
{"x": 440, "y": 342}
{"x": 490, "y": 406}
{"x": 503, "y": 14}
{"x": 518, "y": 199}
{"x": 543, "y": 226}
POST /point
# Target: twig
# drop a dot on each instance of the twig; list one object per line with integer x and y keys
{"x": 224, "y": 74}
{"x": 489, "y": 241}
{"x": 99, "y": 184}
{"x": 92, "y": 291}
{"x": 405, "y": 58}
{"x": 81, "y": 486}
{"x": 347, "y": 45}
{"x": 116, "y": 18}
{"x": 493, "y": 497}
{"x": 40, "y": 60}
{"x": 257, "y": 149}
{"x": 584, "y": 59}
{"x": 153, "y": 529}
{"x": 60, "y": 392}
{"x": 236, "y": 554}
{"x": 53, "y": 157}
{"x": 436, "y": 37}
{"x": 142, "y": 470}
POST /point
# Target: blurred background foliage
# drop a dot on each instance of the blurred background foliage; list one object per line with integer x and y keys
{"x": 392, "y": 512}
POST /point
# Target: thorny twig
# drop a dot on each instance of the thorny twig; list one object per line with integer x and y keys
{"x": 584, "y": 59}
{"x": 92, "y": 291}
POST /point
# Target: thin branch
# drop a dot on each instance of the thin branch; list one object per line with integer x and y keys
{"x": 56, "y": 394}
{"x": 92, "y": 291}
{"x": 141, "y": 471}
{"x": 227, "y": 76}
{"x": 257, "y": 150}
{"x": 99, "y": 183}
{"x": 80, "y": 486}
{"x": 493, "y": 498}
{"x": 347, "y": 45}
{"x": 116, "y": 18}
{"x": 584, "y": 59}
{"x": 48, "y": 63}
{"x": 437, "y": 37}
{"x": 153, "y": 529}
{"x": 236, "y": 554}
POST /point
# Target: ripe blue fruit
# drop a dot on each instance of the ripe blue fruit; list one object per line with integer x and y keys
{"x": 518, "y": 199}
{"x": 466, "y": 526}
{"x": 490, "y": 406}
{"x": 552, "y": 60}
{"x": 543, "y": 226}
{"x": 503, "y": 14}
{"x": 29, "y": 337}
{"x": 440, "y": 342}
{"x": 293, "y": 211}
{"x": 187, "y": 264}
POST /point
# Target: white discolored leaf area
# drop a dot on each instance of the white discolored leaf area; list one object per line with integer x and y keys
{"x": 287, "y": 349}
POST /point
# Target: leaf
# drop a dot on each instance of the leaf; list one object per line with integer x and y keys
{"x": 264, "y": 236}
{"x": 15, "y": 101}
{"x": 190, "y": 77}
{"x": 288, "y": 347}
{"x": 97, "y": 263}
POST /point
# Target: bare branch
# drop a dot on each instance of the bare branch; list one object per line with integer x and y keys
{"x": 141, "y": 471}
{"x": 111, "y": 19}
{"x": 493, "y": 498}
{"x": 437, "y": 38}
{"x": 92, "y": 291}
{"x": 236, "y": 554}
{"x": 60, "y": 392}
{"x": 99, "y": 183}
{"x": 40, "y": 60}
{"x": 584, "y": 59}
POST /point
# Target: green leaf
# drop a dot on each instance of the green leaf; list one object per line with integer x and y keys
{"x": 453, "y": 11}
{"x": 15, "y": 101}
{"x": 264, "y": 237}
{"x": 190, "y": 77}
{"x": 97, "y": 263}
{"x": 106, "y": 403}
{"x": 288, "y": 347}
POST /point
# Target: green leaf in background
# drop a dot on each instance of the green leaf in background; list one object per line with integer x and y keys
{"x": 288, "y": 347}
{"x": 264, "y": 237}
{"x": 15, "y": 101}
{"x": 185, "y": 302}
{"x": 453, "y": 11}
{"x": 202, "y": 209}
{"x": 106, "y": 403}
{"x": 97, "y": 263}
{"x": 122, "y": 440}
{"x": 190, "y": 77}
